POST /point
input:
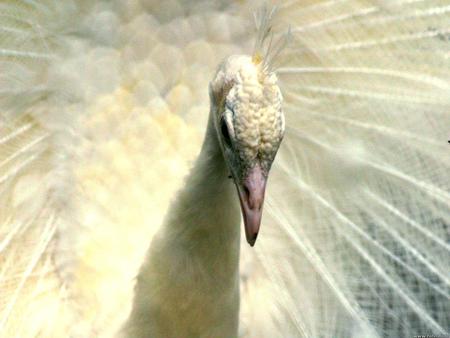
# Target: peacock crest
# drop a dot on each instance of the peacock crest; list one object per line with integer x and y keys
{"x": 267, "y": 47}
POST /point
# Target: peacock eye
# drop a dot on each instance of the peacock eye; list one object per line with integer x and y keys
{"x": 225, "y": 132}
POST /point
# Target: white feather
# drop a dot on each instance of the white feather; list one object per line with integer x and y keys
{"x": 102, "y": 110}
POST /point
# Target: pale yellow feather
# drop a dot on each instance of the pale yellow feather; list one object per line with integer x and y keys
{"x": 103, "y": 106}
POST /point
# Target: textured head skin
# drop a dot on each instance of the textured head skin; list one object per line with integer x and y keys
{"x": 249, "y": 102}
{"x": 246, "y": 103}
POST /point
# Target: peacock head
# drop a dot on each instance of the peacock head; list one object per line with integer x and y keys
{"x": 246, "y": 106}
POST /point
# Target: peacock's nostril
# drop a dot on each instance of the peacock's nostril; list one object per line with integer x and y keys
{"x": 254, "y": 197}
{"x": 253, "y": 189}
{"x": 246, "y": 192}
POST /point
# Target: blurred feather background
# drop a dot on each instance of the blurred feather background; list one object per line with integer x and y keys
{"x": 103, "y": 106}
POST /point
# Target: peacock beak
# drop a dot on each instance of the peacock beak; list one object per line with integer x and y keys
{"x": 251, "y": 196}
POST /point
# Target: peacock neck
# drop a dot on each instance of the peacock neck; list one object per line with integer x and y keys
{"x": 206, "y": 211}
{"x": 189, "y": 284}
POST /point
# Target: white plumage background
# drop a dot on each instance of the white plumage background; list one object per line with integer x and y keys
{"x": 103, "y": 106}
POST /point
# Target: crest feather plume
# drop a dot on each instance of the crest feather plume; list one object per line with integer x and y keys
{"x": 266, "y": 50}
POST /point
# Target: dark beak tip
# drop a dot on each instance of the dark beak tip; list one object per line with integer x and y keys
{"x": 252, "y": 239}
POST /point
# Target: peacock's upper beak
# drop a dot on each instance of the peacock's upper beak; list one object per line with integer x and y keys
{"x": 251, "y": 196}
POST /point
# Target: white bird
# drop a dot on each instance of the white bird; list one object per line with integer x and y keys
{"x": 189, "y": 283}
{"x": 103, "y": 108}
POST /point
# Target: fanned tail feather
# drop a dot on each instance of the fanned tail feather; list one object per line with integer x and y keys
{"x": 102, "y": 109}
